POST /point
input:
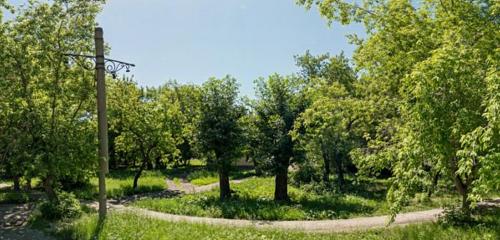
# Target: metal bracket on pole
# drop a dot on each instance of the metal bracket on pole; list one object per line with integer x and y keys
{"x": 101, "y": 65}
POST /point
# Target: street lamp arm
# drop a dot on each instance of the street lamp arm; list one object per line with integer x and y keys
{"x": 111, "y": 66}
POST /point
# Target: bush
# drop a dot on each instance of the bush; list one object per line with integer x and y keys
{"x": 306, "y": 173}
{"x": 67, "y": 206}
{"x": 454, "y": 216}
{"x": 14, "y": 197}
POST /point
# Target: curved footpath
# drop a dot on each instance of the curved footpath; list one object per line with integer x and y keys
{"x": 340, "y": 225}
{"x": 321, "y": 226}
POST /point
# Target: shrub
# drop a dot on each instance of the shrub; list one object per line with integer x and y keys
{"x": 67, "y": 206}
{"x": 454, "y": 216}
{"x": 14, "y": 197}
{"x": 306, "y": 173}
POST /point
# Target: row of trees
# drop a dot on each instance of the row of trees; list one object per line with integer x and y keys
{"x": 420, "y": 100}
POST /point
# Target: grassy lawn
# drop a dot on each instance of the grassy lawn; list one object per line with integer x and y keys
{"x": 119, "y": 184}
{"x": 254, "y": 200}
{"x": 9, "y": 196}
{"x": 204, "y": 177}
{"x": 129, "y": 226}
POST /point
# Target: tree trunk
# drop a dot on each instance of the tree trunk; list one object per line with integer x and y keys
{"x": 28, "y": 184}
{"x": 17, "y": 185}
{"x": 326, "y": 167}
{"x": 225, "y": 189}
{"x": 433, "y": 186}
{"x": 138, "y": 175}
{"x": 340, "y": 171}
{"x": 258, "y": 170}
{"x": 48, "y": 185}
{"x": 281, "y": 185}
{"x": 462, "y": 189}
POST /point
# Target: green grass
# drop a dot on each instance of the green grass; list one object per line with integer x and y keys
{"x": 254, "y": 200}
{"x": 12, "y": 197}
{"x": 9, "y": 196}
{"x": 119, "y": 184}
{"x": 205, "y": 177}
{"x": 129, "y": 226}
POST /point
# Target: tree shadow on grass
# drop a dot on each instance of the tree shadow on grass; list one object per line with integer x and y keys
{"x": 99, "y": 227}
{"x": 247, "y": 207}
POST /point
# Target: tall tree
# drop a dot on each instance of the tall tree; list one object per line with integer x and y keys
{"x": 184, "y": 117}
{"x": 220, "y": 133}
{"x": 280, "y": 101}
{"x": 51, "y": 119}
{"x": 436, "y": 64}
{"x": 326, "y": 130}
{"x": 144, "y": 133}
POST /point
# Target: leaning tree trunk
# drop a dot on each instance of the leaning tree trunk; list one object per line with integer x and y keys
{"x": 281, "y": 185}
{"x": 138, "y": 174}
{"x": 225, "y": 189}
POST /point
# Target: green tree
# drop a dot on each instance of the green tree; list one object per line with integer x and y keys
{"x": 184, "y": 118}
{"x": 433, "y": 68}
{"x": 327, "y": 128}
{"x": 220, "y": 133}
{"x": 50, "y": 107}
{"x": 280, "y": 101}
{"x": 144, "y": 133}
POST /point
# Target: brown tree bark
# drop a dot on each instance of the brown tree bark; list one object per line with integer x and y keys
{"x": 281, "y": 185}
{"x": 461, "y": 186}
{"x": 138, "y": 175}
{"x": 225, "y": 189}
{"x": 48, "y": 185}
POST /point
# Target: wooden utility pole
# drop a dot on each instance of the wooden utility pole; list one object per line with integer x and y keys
{"x": 101, "y": 119}
{"x": 113, "y": 67}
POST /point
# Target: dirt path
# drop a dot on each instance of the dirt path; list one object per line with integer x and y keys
{"x": 13, "y": 223}
{"x": 187, "y": 187}
{"x": 339, "y": 225}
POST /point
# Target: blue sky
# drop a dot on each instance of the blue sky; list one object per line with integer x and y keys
{"x": 192, "y": 40}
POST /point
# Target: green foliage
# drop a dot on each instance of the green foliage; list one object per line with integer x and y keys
{"x": 183, "y": 116}
{"x": 13, "y": 197}
{"x": 202, "y": 177}
{"x": 329, "y": 128}
{"x": 280, "y": 101}
{"x": 47, "y": 118}
{"x": 220, "y": 133}
{"x": 142, "y": 124}
{"x": 430, "y": 77}
{"x": 219, "y": 129}
{"x": 253, "y": 199}
{"x": 130, "y": 226}
{"x": 119, "y": 184}
{"x": 66, "y": 206}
